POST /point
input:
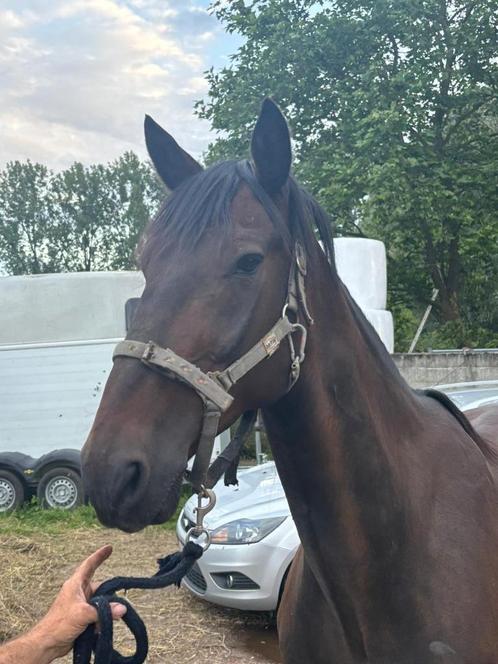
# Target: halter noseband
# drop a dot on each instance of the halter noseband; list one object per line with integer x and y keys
{"x": 213, "y": 387}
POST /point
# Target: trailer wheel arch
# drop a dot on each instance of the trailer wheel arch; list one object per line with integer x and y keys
{"x": 57, "y": 463}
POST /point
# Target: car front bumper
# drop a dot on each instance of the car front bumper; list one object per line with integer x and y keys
{"x": 263, "y": 564}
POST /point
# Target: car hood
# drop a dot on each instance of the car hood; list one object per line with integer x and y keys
{"x": 259, "y": 494}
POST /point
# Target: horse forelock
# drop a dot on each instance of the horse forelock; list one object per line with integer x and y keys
{"x": 203, "y": 202}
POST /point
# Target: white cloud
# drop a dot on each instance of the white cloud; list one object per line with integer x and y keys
{"x": 77, "y": 76}
{"x": 9, "y": 20}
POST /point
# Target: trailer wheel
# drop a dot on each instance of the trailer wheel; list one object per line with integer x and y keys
{"x": 60, "y": 488}
{"x": 11, "y": 491}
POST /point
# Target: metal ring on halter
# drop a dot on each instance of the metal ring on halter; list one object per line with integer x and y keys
{"x": 287, "y": 307}
{"x": 297, "y": 327}
{"x": 195, "y": 532}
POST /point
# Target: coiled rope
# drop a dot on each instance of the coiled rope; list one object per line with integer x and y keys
{"x": 171, "y": 571}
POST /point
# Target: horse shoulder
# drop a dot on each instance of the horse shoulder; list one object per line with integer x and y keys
{"x": 308, "y": 627}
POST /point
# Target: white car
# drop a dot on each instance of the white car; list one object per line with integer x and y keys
{"x": 471, "y": 395}
{"x": 253, "y": 536}
{"x": 253, "y": 542}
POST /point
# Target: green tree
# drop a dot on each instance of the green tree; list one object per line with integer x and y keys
{"x": 26, "y": 218}
{"x": 136, "y": 193}
{"x": 81, "y": 219}
{"x": 393, "y": 105}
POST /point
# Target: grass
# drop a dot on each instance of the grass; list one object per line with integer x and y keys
{"x": 32, "y": 518}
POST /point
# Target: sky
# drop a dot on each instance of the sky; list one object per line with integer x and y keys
{"x": 77, "y": 76}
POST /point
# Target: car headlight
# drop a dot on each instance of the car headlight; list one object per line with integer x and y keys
{"x": 245, "y": 531}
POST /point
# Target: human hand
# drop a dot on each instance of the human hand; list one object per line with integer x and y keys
{"x": 70, "y": 613}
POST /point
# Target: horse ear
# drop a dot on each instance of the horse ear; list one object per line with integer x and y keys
{"x": 171, "y": 162}
{"x": 271, "y": 148}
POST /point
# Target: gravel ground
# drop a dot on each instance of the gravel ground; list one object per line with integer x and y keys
{"x": 181, "y": 628}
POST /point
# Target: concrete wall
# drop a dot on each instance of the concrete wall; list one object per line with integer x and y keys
{"x": 427, "y": 369}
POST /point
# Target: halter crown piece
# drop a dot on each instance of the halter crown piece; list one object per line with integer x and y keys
{"x": 213, "y": 387}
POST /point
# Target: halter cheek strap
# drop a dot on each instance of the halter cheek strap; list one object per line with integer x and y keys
{"x": 213, "y": 387}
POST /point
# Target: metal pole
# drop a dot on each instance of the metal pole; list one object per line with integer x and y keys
{"x": 435, "y": 293}
{"x": 257, "y": 437}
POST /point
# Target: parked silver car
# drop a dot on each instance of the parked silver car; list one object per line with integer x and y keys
{"x": 253, "y": 542}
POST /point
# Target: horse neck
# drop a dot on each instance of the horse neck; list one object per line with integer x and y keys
{"x": 335, "y": 435}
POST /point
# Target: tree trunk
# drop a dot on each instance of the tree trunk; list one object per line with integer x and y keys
{"x": 448, "y": 300}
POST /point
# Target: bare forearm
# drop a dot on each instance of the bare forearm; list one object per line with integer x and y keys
{"x": 31, "y": 648}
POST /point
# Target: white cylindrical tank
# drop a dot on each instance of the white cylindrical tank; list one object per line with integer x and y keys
{"x": 361, "y": 264}
{"x": 382, "y": 322}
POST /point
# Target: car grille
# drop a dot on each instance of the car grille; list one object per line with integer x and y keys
{"x": 196, "y": 579}
{"x": 234, "y": 581}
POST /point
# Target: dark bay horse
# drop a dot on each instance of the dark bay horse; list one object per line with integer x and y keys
{"x": 391, "y": 490}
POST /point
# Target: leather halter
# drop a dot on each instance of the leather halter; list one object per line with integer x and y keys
{"x": 213, "y": 387}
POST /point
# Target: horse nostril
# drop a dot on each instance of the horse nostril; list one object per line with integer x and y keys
{"x": 135, "y": 475}
{"x": 131, "y": 480}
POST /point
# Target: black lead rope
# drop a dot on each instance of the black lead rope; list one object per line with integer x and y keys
{"x": 227, "y": 462}
{"x": 171, "y": 571}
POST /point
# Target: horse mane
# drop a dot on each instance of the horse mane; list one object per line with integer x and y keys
{"x": 203, "y": 202}
{"x": 485, "y": 446}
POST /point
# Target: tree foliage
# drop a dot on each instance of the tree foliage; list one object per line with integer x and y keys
{"x": 80, "y": 219}
{"x": 393, "y": 106}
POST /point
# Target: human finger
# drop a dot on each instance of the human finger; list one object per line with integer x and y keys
{"x": 88, "y": 614}
{"x": 118, "y": 610}
{"x": 89, "y": 566}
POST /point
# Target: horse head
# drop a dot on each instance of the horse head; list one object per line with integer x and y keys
{"x": 216, "y": 262}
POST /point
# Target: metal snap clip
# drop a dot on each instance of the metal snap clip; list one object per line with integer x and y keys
{"x": 201, "y": 510}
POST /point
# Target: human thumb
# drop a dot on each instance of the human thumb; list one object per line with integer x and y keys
{"x": 117, "y": 610}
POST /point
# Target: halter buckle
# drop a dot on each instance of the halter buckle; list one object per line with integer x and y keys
{"x": 148, "y": 353}
{"x": 271, "y": 343}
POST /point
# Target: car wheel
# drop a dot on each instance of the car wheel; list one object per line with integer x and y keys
{"x": 60, "y": 488}
{"x": 11, "y": 491}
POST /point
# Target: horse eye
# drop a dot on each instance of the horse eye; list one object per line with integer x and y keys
{"x": 248, "y": 264}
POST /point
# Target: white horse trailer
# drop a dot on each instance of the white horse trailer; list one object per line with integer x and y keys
{"x": 56, "y": 341}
